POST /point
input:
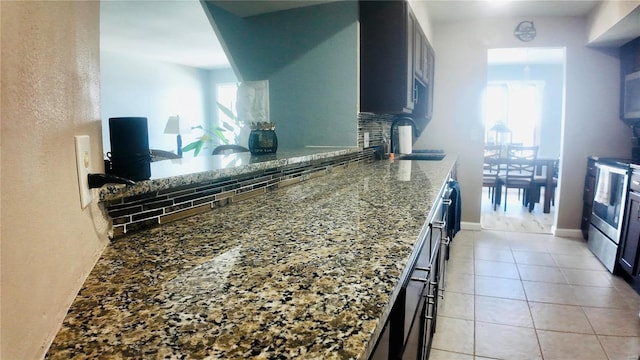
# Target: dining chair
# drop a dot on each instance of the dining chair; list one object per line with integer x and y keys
{"x": 519, "y": 171}
{"x": 158, "y": 155}
{"x": 491, "y": 170}
{"x": 540, "y": 181}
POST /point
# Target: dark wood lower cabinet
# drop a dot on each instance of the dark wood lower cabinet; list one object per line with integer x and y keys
{"x": 630, "y": 241}
{"x": 412, "y": 322}
{"x": 587, "y": 197}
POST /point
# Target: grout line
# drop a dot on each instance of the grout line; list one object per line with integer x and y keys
{"x": 530, "y": 302}
{"x": 475, "y": 308}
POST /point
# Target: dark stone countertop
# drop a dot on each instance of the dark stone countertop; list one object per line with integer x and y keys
{"x": 167, "y": 174}
{"x": 303, "y": 272}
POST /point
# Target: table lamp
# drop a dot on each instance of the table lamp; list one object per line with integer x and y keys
{"x": 177, "y": 127}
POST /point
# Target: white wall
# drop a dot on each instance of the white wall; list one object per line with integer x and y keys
{"x": 50, "y": 92}
{"x": 133, "y": 86}
{"x": 419, "y": 8}
{"x": 591, "y": 125}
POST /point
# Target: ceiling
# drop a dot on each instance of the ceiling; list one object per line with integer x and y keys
{"x": 250, "y": 8}
{"x": 442, "y": 10}
{"x": 175, "y": 31}
{"x": 178, "y": 31}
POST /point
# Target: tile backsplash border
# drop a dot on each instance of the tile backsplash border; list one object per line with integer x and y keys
{"x": 377, "y": 125}
{"x": 152, "y": 209}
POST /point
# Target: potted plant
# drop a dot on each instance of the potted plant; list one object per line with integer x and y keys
{"x": 216, "y": 136}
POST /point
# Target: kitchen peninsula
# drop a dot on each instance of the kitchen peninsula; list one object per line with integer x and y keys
{"x": 304, "y": 271}
{"x": 180, "y": 188}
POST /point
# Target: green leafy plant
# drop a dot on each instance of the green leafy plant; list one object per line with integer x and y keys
{"x": 215, "y": 136}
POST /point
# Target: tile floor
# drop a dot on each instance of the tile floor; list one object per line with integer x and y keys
{"x": 517, "y": 217}
{"x": 521, "y": 296}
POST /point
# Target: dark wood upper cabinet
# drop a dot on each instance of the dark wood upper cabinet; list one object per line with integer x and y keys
{"x": 630, "y": 57}
{"x": 422, "y": 54}
{"x": 419, "y": 60}
{"x": 386, "y": 57}
{"x": 629, "y": 63}
{"x": 396, "y": 62}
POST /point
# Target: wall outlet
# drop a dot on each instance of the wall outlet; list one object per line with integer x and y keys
{"x": 366, "y": 140}
{"x": 83, "y": 164}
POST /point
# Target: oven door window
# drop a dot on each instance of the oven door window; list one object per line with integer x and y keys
{"x": 609, "y": 196}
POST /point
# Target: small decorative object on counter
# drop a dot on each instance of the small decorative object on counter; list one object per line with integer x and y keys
{"x": 263, "y": 139}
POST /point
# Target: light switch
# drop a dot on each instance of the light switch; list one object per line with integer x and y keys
{"x": 83, "y": 164}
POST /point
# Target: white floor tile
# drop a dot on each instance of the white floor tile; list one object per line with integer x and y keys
{"x": 532, "y": 296}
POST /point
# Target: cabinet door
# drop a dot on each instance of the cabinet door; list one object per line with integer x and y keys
{"x": 421, "y": 56}
{"x": 585, "y": 222}
{"x": 386, "y": 57}
{"x": 631, "y": 237}
{"x": 412, "y": 40}
{"x": 430, "y": 68}
{"x": 425, "y": 58}
{"x": 587, "y": 197}
{"x": 418, "y": 55}
{"x": 629, "y": 62}
{"x": 589, "y": 188}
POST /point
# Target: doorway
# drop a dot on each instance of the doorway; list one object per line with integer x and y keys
{"x": 523, "y": 105}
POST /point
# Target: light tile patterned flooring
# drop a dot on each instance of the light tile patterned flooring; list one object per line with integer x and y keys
{"x": 516, "y": 217}
{"x": 521, "y": 296}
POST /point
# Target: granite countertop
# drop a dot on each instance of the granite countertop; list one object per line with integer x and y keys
{"x": 189, "y": 170}
{"x": 306, "y": 271}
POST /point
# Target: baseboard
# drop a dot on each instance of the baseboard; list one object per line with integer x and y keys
{"x": 464, "y": 225}
{"x": 570, "y": 233}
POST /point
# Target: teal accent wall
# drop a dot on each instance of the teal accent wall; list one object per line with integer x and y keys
{"x": 134, "y": 86}
{"x": 310, "y": 57}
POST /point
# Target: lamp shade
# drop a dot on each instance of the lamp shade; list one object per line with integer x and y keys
{"x": 173, "y": 125}
{"x": 500, "y": 127}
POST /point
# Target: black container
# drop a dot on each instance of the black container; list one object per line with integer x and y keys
{"x": 263, "y": 142}
{"x": 130, "y": 156}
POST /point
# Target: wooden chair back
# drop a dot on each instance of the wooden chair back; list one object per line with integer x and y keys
{"x": 491, "y": 152}
{"x": 521, "y": 164}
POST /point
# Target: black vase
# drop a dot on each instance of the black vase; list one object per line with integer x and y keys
{"x": 263, "y": 141}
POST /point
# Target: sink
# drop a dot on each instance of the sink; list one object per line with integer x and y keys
{"x": 421, "y": 156}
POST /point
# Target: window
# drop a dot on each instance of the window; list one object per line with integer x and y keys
{"x": 226, "y": 96}
{"x": 513, "y": 106}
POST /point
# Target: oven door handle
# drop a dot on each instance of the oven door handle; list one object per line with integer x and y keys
{"x": 613, "y": 169}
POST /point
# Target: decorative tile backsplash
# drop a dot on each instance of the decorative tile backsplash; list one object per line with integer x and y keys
{"x": 143, "y": 211}
{"x": 377, "y": 125}
{"x": 151, "y": 209}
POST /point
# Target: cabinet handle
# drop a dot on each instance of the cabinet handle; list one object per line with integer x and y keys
{"x": 635, "y": 182}
{"x": 428, "y": 268}
{"x": 439, "y": 224}
{"x": 423, "y": 280}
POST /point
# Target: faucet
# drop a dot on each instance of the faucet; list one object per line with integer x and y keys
{"x": 404, "y": 120}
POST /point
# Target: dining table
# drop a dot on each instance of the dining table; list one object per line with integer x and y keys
{"x": 543, "y": 165}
